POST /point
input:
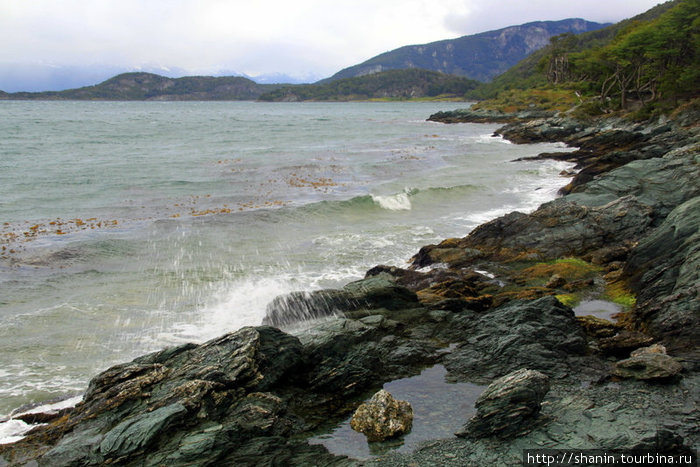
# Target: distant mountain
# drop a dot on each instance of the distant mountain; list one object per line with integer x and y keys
{"x": 149, "y": 86}
{"x": 480, "y": 56}
{"x": 41, "y": 77}
{"x": 392, "y": 84}
{"x": 282, "y": 78}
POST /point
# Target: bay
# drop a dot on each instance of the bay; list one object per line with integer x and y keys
{"x": 126, "y": 227}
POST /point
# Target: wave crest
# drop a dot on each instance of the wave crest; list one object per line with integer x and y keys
{"x": 397, "y": 202}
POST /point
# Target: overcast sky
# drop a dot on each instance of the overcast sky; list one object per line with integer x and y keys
{"x": 295, "y": 37}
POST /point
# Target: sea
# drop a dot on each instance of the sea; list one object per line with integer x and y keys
{"x": 126, "y": 227}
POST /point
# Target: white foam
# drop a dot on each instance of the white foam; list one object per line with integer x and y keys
{"x": 53, "y": 407}
{"x": 235, "y": 305}
{"x": 397, "y": 202}
{"x": 485, "y": 273}
{"x": 490, "y": 139}
{"x": 433, "y": 266}
{"x": 477, "y": 218}
{"x": 12, "y": 431}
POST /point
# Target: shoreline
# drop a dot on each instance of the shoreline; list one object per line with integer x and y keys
{"x": 271, "y": 390}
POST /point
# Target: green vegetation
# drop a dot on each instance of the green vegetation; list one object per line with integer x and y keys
{"x": 618, "y": 292}
{"x": 569, "y": 299}
{"x": 569, "y": 269}
{"x": 648, "y": 64}
{"x": 543, "y": 97}
{"x": 393, "y": 84}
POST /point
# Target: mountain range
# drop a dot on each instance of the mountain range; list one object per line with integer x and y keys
{"x": 480, "y": 56}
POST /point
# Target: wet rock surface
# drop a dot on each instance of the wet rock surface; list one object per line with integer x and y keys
{"x": 484, "y": 306}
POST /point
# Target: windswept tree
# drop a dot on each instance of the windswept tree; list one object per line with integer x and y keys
{"x": 647, "y": 61}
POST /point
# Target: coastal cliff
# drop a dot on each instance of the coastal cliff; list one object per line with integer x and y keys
{"x": 493, "y": 302}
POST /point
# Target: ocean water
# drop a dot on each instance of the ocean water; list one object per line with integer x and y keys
{"x": 128, "y": 227}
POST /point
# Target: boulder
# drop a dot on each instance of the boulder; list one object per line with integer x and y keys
{"x": 508, "y": 405}
{"x": 382, "y": 417}
{"x": 558, "y": 229}
{"x": 648, "y": 366}
{"x": 652, "y": 349}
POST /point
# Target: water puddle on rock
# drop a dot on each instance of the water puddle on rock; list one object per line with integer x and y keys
{"x": 598, "y": 308}
{"x": 439, "y": 410}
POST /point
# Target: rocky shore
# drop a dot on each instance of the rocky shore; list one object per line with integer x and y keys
{"x": 491, "y": 305}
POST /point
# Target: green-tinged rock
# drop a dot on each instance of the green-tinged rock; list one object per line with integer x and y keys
{"x": 346, "y": 355}
{"x": 664, "y": 270}
{"x": 163, "y": 397}
{"x": 540, "y": 334}
{"x": 137, "y": 432}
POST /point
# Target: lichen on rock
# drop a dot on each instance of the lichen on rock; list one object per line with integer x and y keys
{"x": 382, "y": 417}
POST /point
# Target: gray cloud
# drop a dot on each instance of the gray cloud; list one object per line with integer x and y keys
{"x": 266, "y": 36}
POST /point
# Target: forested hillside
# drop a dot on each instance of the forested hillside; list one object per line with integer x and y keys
{"x": 393, "y": 84}
{"x": 649, "y": 62}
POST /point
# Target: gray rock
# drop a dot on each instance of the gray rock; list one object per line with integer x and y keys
{"x": 624, "y": 342}
{"x": 652, "y": 349}
{"x": 507, "y": 406}
{"x": 648, "y": 366}
{"x": 182, "y": 393}
{"x": 346, "y": 355}
{"x": 296, "y": 307}
{"x": 540, "y": 334}
{"x": 488, "y": 116}
{"x": 137, "y": 432}
{"x": 382, "y": 417}
{"x": 665, "y": 271}
{"x": 556, "y": 229}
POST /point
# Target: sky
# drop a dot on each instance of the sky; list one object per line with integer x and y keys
{"x": 306, "y": 39}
